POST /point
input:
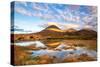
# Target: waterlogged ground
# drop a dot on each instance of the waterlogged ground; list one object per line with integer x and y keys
{"x": 45, "y": 52}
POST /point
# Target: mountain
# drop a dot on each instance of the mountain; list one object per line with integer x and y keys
{"x": 55, "y": 32}
{"x": 71, "y": 30}
{"x": 54, "y": 28}
{"x": 82, "y": 32}
{"x": 87, "y": 32}
{"x": 51, "y": 31}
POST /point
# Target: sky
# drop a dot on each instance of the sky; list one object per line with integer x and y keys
{"x": 31, "y": 17}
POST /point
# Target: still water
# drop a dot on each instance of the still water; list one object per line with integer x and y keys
{"x": 61, "y": 53}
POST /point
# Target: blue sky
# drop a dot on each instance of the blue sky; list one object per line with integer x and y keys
{"x": 33, "y": 17}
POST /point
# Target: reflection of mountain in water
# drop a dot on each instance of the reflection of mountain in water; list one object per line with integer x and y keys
{"x": 51, "y": 44}
{"x": 63, "y": 54}
{"x": 58, "y": 49}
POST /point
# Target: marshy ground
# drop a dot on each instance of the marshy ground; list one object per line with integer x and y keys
{"x": 67, "y": 50}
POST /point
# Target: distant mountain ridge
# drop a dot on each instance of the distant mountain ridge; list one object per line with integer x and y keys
{"x": 87, "y": 32}
{"x": 55, "y": 32}
{"x": 53, "y": 26}
{"x": 70, "y": 30}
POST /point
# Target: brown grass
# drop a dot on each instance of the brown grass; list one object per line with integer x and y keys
{"x": 80, "y": 58}
{"x": 90, "y": 44}
{"x": 23, "y": 57}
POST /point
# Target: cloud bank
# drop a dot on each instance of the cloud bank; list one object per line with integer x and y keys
{"x": 86, "y": 15}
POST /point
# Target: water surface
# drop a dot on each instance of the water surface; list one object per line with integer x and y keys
{"x": 61, "y": 53}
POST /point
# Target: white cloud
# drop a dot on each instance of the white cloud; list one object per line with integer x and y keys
{"x": 75, "y": 26}
{"x": 23, "y": 11}
{"x": 61, "y": 25}
{"x": 53, "y": 23}
{"x": 48, "y": 12}
{"x": 88, "y": 27}
{"x": 52, "y": 13}
{"x": 23, "y": 3}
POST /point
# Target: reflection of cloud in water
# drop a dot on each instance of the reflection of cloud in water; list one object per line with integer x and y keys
{"x": 59, "y": 54}
{"x": 37, "y": 43}
{"x": 64, "y": 53}
{"x": 62, "y": 46}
